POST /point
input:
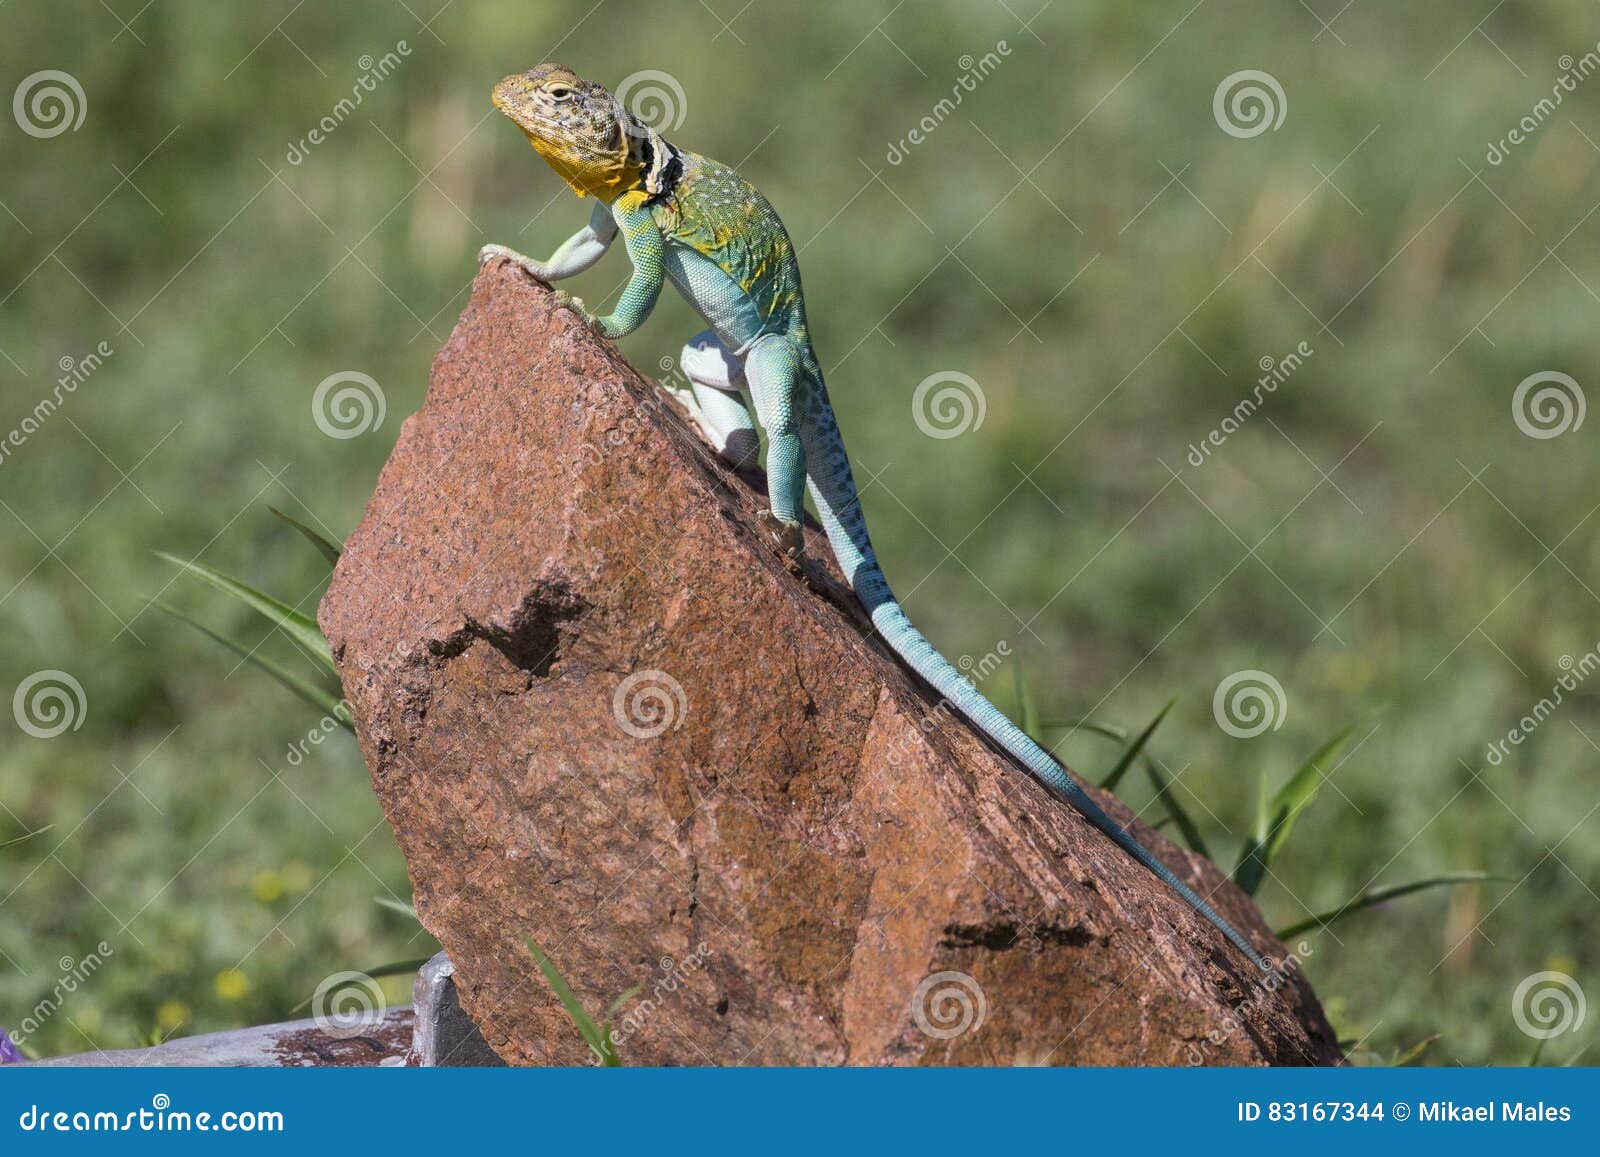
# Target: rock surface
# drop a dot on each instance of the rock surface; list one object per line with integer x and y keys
{"x": 600, "y": 713}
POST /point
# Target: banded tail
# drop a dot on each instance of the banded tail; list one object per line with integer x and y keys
{"x": 833, "y": 490}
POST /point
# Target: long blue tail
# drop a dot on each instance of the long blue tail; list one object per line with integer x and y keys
{"x": 838, "y": 506}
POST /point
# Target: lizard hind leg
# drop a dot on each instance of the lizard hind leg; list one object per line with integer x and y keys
{"x": 715, "y": 400}
{"x": 773, "y": 369}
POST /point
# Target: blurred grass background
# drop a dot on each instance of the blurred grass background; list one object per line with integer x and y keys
{"x": 1079, "y": 236}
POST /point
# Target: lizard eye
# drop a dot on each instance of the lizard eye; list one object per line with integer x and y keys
{"x": 561, "y": 93}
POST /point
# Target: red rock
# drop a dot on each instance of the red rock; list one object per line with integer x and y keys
{"x": 792, "y": 851}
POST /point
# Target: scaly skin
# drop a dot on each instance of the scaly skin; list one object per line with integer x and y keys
{"x": 695, "y": 222}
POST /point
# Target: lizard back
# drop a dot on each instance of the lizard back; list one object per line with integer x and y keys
{"x": 713, "y": 211}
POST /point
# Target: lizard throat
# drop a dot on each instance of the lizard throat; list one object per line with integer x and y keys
{"x": 652, "y": 166}
{"x": 605, "y": 178}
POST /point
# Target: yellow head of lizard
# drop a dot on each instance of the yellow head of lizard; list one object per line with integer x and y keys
{"x": 582, "y": 131}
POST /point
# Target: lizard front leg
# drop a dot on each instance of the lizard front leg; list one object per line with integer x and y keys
{"x": 645, "y": 250}
{"x": 576, "y": 254}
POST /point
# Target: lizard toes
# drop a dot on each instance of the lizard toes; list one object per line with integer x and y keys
{"x": 787, "y": 537}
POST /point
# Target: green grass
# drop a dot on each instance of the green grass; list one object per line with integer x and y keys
{"x": 1275, "y": 818}
{"x": 597, "y": 1035}
{"x": 321, "y": 690}
{"x": 1380, "y": 537}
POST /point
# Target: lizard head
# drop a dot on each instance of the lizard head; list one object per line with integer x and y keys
{"x": 584, "y": 132}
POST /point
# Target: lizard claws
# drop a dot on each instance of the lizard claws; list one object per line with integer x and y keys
{"x": 788, "y": 537}
{"x": 565, "y": 300}
{"x": 504, "y": 252}
{"x": 596, "y": 325}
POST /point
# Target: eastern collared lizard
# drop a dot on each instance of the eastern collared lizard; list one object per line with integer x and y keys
{"x": 695, "y": 222}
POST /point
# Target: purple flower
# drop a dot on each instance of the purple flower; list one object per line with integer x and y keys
{"x": 8, "y": 1051}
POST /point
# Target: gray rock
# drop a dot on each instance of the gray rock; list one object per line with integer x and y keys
{"x": 443, "y": 1035}
{"x": 295, "y": 1044}
{"x": 436, "y": 1033}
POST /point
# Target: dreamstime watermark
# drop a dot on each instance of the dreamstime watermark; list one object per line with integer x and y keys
{"x": 1248, "y": 703}
{"x": 974, "y": 671}
{"x": 75, "y": 973}
{"x": 949, "y": 1004}
{"x": 655, "y": 98}
{"x": 348, "y": 1004}
{"x": 333, "y": 722}
{"x": 977, "y": 670}
{"x": 48, "y": 103}
{"x": 1547, "y": 1004}
{"x": 973, "y": 73}
{"x": 1248, "y": 103}
{"x": 619, "y": 434}
{"x": 156, "y": 1119}
{"x": 348, "y": 404}
{"x": 1572, "y": 71}
{"x": 1577, "y": 670}
{"x": 1548, "y": 404}
{"x": 1260, "y": 992}
{"x": 49, "y": 703}
{"x": 74, "y": 372}
{"x": 372, "y": 72}
{"x": 1274, "y": 372}
{"x": 648, "y": 704}
{"x": 948, "y": 404}
{"x": 674, "y": 974}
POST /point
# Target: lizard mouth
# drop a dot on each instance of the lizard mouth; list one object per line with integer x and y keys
{"x": 514, "y": 105}
{"x": 533, "y": 126}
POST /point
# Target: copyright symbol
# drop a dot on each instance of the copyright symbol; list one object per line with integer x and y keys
{"x": 1401, "y": 1110}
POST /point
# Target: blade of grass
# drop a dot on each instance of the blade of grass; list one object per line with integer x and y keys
{"x": 319, "y": 697}
{"x": 585, "y": 1024}
{"x": 1374, "y": 896}
{"x": 328, "y": 549}
{"x": 397, "y": 968}
{"x": 1107, "y": 730}
{"x": 622, "y": 1000}
{"x": 1251, "y": 867}
{"x": 610, "y": 1057}
{"x": 1027, "y": 714}
{"x": 1133, "y": 749}
{"x": 397, "y": 906}
{"x": 1296, "y": 795}
{"x": 1175, "y": 810}
{"x": 302, "y": 629}
{"x": 1413, "y": 1053}
{"x": 1276, "y": 818}
{"x": 1165, "y": 797}
{"x": 27, "y": 836}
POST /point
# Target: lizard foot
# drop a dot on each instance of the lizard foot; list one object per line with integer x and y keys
{"x": 496, "y": 252}
{"x": 787, "y": 537}
{"x": 565, "y": 300}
